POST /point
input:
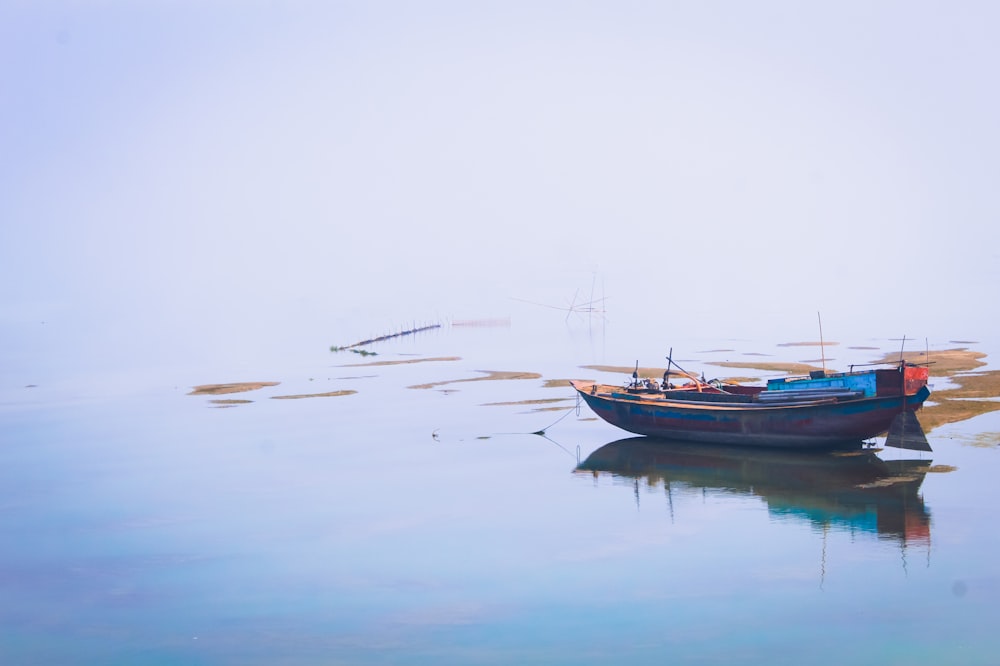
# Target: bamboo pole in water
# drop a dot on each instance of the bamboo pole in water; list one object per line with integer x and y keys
{"x": 822, "y": 347}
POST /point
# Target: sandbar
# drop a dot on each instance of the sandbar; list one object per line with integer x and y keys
{"x": 539, "y": 401}
{"x": 491, "y": 375}
{"x": 942, "y": 362}
{"x": 329, "y": 394}
{"x": 402, "y": 362}
{"x": 235, "y": 387}
{"x": 768, "y": 366}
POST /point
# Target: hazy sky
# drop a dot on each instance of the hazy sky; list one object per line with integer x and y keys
{"x": 205, "y": 169}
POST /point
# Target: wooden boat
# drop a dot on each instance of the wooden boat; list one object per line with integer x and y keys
{"x": 823, "y": 410}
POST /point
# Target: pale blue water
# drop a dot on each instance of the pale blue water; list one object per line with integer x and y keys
{"x": 140, "y": 525}
{"x": 207, "y": 192}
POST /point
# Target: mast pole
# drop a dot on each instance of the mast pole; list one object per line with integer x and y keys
{"x": 822, "y": 347}
{"x": 666, "y": 375}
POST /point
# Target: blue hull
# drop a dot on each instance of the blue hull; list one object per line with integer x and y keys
{"x": 809, "y": 425}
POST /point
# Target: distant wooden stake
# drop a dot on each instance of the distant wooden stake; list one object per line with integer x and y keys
{"x": 822, "y": 347}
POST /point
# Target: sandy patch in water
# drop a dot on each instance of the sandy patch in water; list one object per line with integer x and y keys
{"x": 769, "y": 366}
{"x": 372, "y": 364}
{"x": 657, "y": 373}
{"x": 236, "y": 387}
{"x": 540, "y": 401}
{"x": 984, "y": 440}
{"x": 560, "y": 383}
{"x": 654, "y": 373}
{"x": 329, "y": 394}
{"x": 975, "y": 394}
{"x": 491, "y": 375}
{"x": 941, "y": 363}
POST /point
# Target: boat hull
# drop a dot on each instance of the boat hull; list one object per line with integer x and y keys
{"x": 827, "y": 424}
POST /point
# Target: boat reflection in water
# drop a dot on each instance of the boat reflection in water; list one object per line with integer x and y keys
{"x": 852, "y": 489}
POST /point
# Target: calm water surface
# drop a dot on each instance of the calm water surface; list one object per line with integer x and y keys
{"x": 143, "y": 525}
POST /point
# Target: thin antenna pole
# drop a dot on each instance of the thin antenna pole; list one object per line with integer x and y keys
{"x": 902, "y": 381}
{"x": 822, "y": 347}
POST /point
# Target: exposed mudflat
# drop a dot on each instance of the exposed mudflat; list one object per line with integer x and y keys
{"x": 968, "y": 392}
{"x": 328, "y": 394}
{"x": 405, "y": 361}
{"x": 233, "y": 387}
{"x": 490, "y": 375}
{"x": 770, "y": 366}
{"x": 941, "y": 363}
{"x": 229, "y": 403}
